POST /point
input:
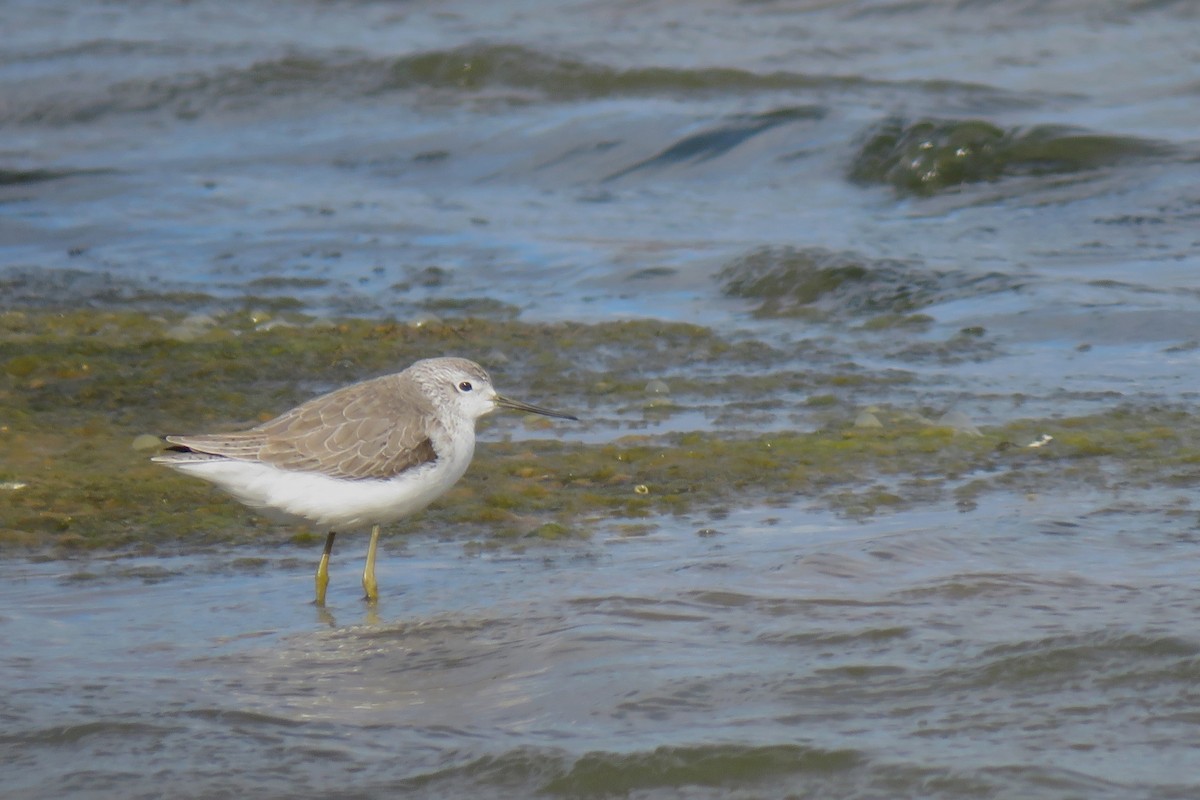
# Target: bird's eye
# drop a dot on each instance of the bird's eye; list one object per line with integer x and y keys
{"x": 465, "y": 386}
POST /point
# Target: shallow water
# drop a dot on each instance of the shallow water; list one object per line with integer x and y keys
{"x": 1043, "y": 647}
{"x": 598, "y": 161}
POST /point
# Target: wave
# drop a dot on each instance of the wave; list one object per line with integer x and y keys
{"x": 504, "y": 72}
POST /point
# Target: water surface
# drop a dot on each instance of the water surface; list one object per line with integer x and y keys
{"x": 1049, "y": 653}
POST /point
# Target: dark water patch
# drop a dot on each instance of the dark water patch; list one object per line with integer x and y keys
{"x": 605, "y": 774}
{"x": 786, "y": 281}
{"x": 723, "y": 599}
{"x": 1036, "y": 10}
{"x": 651, "y": 273}
{"x": 745, "y": 773}
{"x": 986, "y": 585}
{"x": 67, "y": 735}
{"x": 867, "y": 673}
{"x": 18, "y": 177}
{"x": 930, "y": 156}
{"x": 242, "y": 720}
{"x": 717, "y": 141}
{"x": 1099, "y": 658}
{"x": 871, "y": 637}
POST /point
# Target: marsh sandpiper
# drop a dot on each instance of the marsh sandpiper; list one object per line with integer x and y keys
{"x": 366, "y": 454}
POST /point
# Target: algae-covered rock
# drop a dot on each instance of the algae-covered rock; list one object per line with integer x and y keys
{"x": 813, "y": 281}
{"x": 929, "y": 156}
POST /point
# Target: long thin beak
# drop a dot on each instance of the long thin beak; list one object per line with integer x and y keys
{"x": 517, "y": 405}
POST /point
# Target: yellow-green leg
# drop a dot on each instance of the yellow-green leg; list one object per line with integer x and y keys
{"x": 323, "y": 569}
{"x": 369, "y": 584}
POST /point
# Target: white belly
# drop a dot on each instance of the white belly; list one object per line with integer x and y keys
{"x": 333, "y": 502}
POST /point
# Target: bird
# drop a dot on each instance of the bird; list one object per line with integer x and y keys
{"x": 369, "y": 453}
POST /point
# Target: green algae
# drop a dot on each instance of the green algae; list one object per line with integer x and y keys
{"x": 821, "y": 284}
{"x": 930, "y": 156}
{"x": 81, "y": 390}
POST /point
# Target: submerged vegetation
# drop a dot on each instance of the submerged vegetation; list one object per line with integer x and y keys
{"x": 817, "y": 283}
{"x": 83, "y": 394}
{"x": 930, "y": 156}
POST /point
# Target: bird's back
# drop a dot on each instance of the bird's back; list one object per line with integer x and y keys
{"x": 374, "y": 429}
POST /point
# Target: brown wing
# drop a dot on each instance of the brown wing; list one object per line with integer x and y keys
{"x": 374, "y": 429}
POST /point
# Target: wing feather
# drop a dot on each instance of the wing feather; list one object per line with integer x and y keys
{"x": 374, "y": 429}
